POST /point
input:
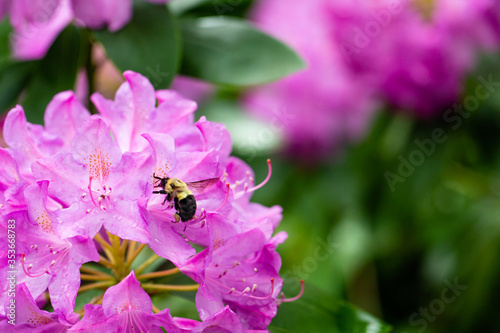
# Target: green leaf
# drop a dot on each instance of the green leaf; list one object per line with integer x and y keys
{"x": 210, "y": 7}
{"x": 84, "y": 298}
{"x": 13, "y": 78}
{"x": 316, "y": 311}
{"x": 178, "y": 7}
{"x": 251, "y": 137}
{"x": 55, "y": 73}
{"x": 5, "y": 30}
{"x": 149, "y": 44}
{"x": 230, "y": 51}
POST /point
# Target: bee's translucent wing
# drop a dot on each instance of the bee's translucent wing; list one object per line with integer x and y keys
{"x": 200, "y": 186}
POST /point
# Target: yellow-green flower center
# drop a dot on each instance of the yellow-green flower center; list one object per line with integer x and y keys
{"x": 425, "y": 7}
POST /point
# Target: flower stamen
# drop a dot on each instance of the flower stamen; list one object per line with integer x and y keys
{"x": 225, "y": 200}
{"x": 264, "y": 182}
{"x": 283, "y": 299}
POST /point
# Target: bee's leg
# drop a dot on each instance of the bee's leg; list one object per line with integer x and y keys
{"x": 177, "y": 218}
{"x": 161, "y": 182}
{"x": 166, "y": 197}
{"x": 156, "y": 177}
{"x": 160, "y": 192}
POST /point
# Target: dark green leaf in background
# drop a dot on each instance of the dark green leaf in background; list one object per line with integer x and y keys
{"x": 13, "y": 78}
{"x": 149, "y": 44}
{"x": 199, "y": 8}
{"x": 230, "y": 51}
{"x": 13, "y": 75}
{"x": 5, "y": 30}
{"x": 55, "y": 73}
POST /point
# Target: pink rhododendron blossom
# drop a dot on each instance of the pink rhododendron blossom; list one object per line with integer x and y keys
{"x": 88, "y": 189}
{"x": 413, "y": 55}
{"x": 37, "y": 23}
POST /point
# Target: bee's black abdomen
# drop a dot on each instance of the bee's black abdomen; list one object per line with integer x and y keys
{"x": 186, "y": 208}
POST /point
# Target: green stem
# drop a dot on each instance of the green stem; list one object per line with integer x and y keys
{"x": 169, "y": 287}
{"x": 103, "y": 284}
{"x": 145, "y": 264}
{"x": 158, "y": 274}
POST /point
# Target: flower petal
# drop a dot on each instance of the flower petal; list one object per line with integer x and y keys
{"x": 64, "y": 115}
{"x": 96, "y": 14}
{"x": 93, "y": 147}
{"x": 36, "y": 25}
{"x": 126, "y": 296}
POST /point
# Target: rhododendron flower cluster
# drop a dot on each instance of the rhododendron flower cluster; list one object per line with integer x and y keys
{"x": 37, "y": 23}
{"x": 412, "y": 54}
{"x": 78, "y": 193}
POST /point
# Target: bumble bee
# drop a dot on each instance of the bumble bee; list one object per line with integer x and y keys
{"x": 179, "y": 191}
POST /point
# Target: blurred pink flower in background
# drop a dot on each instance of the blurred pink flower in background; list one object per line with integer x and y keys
{"x": 417, "y": 53}
{"x": 192, "y": 88}
{"x": 318, "y": 108}
{"x": 4, "y": 7}
{"x": 37, "y": 23}
{"x": 360, "y": 53}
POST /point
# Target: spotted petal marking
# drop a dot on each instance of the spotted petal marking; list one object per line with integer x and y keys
{"x": 98, "y": 164}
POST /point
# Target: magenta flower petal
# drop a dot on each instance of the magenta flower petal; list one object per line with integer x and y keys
{"x": 167, "y": 242}
{"x": 93, "y": 147}
{"x": 29, "y": 318}
{"x": 9, "y": 171}
{"x": 215, "y": 137}
{"x": 65, "y": 176}
{"x": 129, "y": 114}
{"x": 164, "y": 150}
{"x": 97, "y": 14}
{"x": 125, "y": 296}
{"x": 36, "y": 25}
{"x": 11, "y": 187}
{"x": 198, "y": 166}
{"x": 63, "y": 116}
{"x": 18, "y": 134}
{"x": 224, "y": 321}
